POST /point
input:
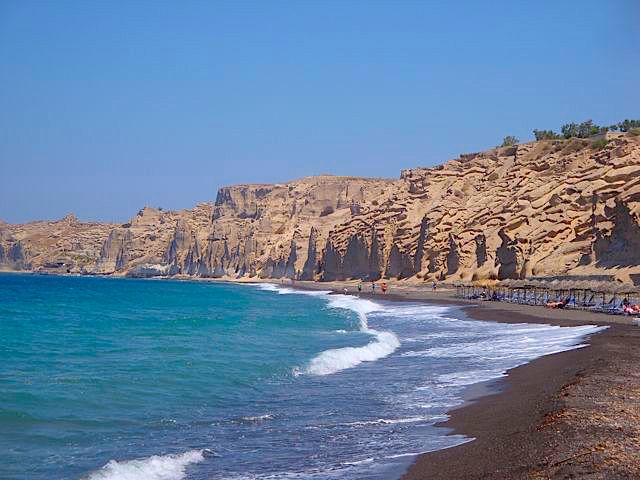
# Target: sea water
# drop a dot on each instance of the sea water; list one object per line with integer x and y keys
{"x": 118, "y": 379}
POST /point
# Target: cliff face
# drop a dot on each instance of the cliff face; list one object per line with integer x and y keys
{"x": 537, "y": 209}
{"x": 61, "y": 245}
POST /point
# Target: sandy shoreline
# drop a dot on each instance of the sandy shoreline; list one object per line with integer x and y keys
{"x": 547, "y": 421}
{"x": 574, "y": 414}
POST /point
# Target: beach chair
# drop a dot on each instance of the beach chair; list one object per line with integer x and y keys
{"x": 533, "y": 298}
{"x": 603, "y": 306}
{"x": 588, "y": 303}
{"x": 542, "y": 298}
{"x": 614, "y": 308}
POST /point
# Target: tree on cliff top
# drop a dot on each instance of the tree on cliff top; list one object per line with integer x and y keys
{"x": 546, "y": 135}
{"x": 585, "y": 129}
{"x": 626, "y": 125}
{"x": 509, "y": 141}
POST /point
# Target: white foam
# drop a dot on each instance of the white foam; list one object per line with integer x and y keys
{"x": 337, "y": 359}
{"x": 468, "y": 377}
{"x": 270, "y": 287}
{"x": 156, "y": 467}
{"x": 359, "y": 462}
{"x": 396, "y": 421}
{"x": 400, "y": 455}
{"x": 511, "y": 345}
{"x": 258, "y": 418}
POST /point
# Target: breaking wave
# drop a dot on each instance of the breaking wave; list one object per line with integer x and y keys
{"x": 270, "y": 287}
{"x": 156, "y": 467}
{"x": 337, "y": 359}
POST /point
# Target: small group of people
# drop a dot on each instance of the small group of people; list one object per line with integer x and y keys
{"x": 630, "y": 309}
{"x": 383, "y": 287}
{"x": 627, "y": 308}
{"x": 557, "y": 304}
{"x": 485, "y": 296}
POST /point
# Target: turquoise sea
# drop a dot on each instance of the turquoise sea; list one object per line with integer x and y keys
{"x": 120, "y": 379}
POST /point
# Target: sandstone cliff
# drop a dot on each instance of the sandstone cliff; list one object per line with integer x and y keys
{"x": 539, "y": 209}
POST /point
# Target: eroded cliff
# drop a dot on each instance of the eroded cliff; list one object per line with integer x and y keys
{"x": 556, "y": 207}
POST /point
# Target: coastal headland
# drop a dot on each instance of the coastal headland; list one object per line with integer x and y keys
{"x": 563, "y": 209}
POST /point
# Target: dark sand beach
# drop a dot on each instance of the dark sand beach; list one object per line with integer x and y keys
{"x": 574, "y": 414}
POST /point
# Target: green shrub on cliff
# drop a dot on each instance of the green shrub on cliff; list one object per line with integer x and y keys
{"x": 599, "y": 144}
{"x": 585, "y": 129}
{"x": 628, "y": 125}
{"x": 509, "y": 141}
{"x": 546, "y": 135}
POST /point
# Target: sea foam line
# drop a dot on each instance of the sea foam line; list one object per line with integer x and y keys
{"x": 156, "y": 467}
{"x": 337, "y": 359}
{"x": 270, "y": 287}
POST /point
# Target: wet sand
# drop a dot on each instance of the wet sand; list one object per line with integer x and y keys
{"x": 574, "y": 414}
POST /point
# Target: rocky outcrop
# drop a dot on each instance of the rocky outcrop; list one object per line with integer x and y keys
{"x": 148, "y": 270}
{"x": 400, "y": 264}
{"x": 453, "y": 259}
{"x": 16, "y": 257}
{"x": 331, "y": 268}
{"x": 356, "y": 259}
{"x": 481, "y": 249}
{"x": 507, "y": 258}
{"x": 116, "y": 251}
{"x": 62, "y": 246}
{"x": 547, "y": 208}
{"x": 421, "y": 244}
{"x": 621, "y": 247}
{"x": 309, "y": 269}
{"x": 375, "y": 257}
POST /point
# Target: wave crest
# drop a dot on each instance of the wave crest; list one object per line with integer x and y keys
{"x": 337, "y": 359}
{"x": 270, "y": 287}
{"x": 156, "y": 467}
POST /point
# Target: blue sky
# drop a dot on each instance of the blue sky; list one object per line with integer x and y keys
{"x": 110, "y": 106}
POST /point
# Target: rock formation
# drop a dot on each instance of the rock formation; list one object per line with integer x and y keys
{"x": 546, "y": 208}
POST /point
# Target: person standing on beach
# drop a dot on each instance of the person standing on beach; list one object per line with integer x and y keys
{"x": 433, "y": 286}
{"x": 373, "y": 287}
{"x": 384, "y": 287}
{"x": 359, "y": 287}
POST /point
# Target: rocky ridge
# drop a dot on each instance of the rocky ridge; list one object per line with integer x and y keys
{"x": 538, "y": 209}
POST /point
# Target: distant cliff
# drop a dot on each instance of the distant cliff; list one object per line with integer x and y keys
{"x": 546, "y": 208}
